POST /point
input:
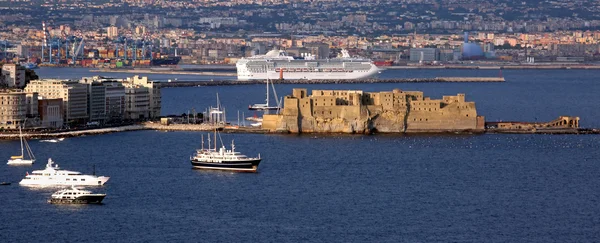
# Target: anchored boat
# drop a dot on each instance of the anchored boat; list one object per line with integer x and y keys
{"x": 75, "y": 195}
{"x": 52, "y": 175}
{"x": 223, "y": 159}
{"x": 20, "y": 159}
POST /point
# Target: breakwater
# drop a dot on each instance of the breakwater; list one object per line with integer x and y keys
{"x": 341, "y": 81}
{"x": 158, "y": 71}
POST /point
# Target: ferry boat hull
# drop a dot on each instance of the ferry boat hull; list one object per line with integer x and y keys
{"x": 86, "y": 199}
{"x": 242, "y": 166}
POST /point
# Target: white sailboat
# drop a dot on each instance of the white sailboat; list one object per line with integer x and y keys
{"x": 266, "y": 106}
{"x": 20, "y": 159}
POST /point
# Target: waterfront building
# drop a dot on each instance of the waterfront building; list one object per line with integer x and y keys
{"x": 13, "y": 109}
{"x": 51, "y": 112}
{"x": 13, "y": 76}
{"x": 424, "y": 54}
{"x": 106, "y": 99}
{"x": 388, "y": 111}
{"x": 73, "y": 94}
{"x": 115, "y": 100}
{"x": 31, "y": 99}
{"x": 97, "y": 102}
{"x": 142, "y": 97}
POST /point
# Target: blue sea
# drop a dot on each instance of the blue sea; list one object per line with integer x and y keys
{"x": 333, "y": 188}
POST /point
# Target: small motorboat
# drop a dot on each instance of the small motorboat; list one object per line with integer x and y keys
{"x": 4, "y": 183}
{"x": 53, "y": 140}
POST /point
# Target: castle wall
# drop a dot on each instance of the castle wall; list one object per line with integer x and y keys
{"x": 357, "y": 111}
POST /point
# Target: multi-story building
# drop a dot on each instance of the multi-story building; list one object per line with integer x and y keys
{"x": 115, "y": 100}
{"x": 142, "y": 97}
{"x": 97, "y": 102}
{"x": 137, "y": 99}
{"x": 112, "y": 32}
{"x": 51, "y": 112}
{"x": 13, "y": 76}
{"x": 73, "y": 94}
{"x": 424, "y": 54}
{"x": 13, "y": 109}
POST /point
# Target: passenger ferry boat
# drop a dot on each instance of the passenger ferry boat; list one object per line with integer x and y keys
{"x": 52, "y": 175}
{"x": 75, "y": 195}
{"x": 223, "y": 159}
{"x": 276, "y": 64}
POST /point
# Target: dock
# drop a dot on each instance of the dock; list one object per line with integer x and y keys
{"x": 330, "y": 81}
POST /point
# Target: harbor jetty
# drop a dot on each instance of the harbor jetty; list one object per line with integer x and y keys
{"x": 330, "y": 81}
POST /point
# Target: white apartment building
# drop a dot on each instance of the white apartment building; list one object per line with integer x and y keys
{"x": 13, "y": 76}
{"x": 142, "y": 98}
{"x": 73, "y": 94}
{"x": 13, "y": 109}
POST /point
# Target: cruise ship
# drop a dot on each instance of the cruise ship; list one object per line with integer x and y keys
{"x": 276, "y": 64}
{"x": 52, "y": 175}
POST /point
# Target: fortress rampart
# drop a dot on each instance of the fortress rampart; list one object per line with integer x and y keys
{"x": 355, "y": 111}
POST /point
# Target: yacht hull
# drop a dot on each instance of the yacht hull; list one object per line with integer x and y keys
{"x": 242, "y": 166}
{"x": 62, "y": 181}
{"x": 87, "y": 199}
{"x": 252, "y": 108}
{"x": 20, "y": 162}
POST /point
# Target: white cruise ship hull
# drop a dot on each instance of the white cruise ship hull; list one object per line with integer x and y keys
{"x": 82, "y": 180}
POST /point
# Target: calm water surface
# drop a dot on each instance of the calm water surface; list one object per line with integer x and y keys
{"x": 339, "y": 188}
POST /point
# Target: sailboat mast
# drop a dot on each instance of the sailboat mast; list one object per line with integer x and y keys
{"x": 21, "y": 137}
{"x": 267, "y": 91}
{"x": 275, "y": 94}
{"x": 202, "y": 136}
{"x": 215, "y": 139}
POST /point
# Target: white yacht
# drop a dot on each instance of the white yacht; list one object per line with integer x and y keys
{"x": 76, "y": 195}
{"x": 53, "y": 140}
{"x": 20, "y": 159}
{"x": 52, "y": 175}
{"x": 223, "y": 159}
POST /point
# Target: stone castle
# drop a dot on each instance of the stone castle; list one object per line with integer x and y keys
{"x": 355, "y": 111}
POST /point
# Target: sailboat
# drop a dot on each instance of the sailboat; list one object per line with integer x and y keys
{"x": 20, "y": 159}
{"x": 266, "y": 106}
